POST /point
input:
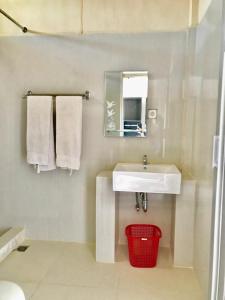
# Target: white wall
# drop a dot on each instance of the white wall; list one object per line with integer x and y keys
{"x": 53, "y": 205}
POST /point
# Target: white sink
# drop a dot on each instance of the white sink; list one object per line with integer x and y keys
{"x": 130, "y": 177}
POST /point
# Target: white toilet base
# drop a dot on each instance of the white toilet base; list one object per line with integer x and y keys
{"x": 10, "y": 291}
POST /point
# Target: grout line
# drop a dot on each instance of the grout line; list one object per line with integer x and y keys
{"x": 51, "y": 266}
{"x": 40, "y": 282}
{"x": 34, "y": 291}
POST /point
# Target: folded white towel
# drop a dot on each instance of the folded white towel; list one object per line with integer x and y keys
{"x": 68, "y": 132}
{"x": 40, "y": 137}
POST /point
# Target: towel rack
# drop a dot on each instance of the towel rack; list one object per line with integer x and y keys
{"x": 85, "y": 96}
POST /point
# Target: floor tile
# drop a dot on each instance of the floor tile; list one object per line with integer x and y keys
{"x": 51, "y": 292}
{"x": 151, "y": 294}
{"x": 77, "y": 266}
{"x": 60, "y": 292}
{"x": 76, "y": 273}
{"x": 68, "y": 271}
{"x": 176, "y": 280}
{"x": 31, "y": 265}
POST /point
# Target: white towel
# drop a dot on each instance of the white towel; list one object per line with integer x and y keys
{"x": 40, "y": 137}
{"x": 68, "y": 132}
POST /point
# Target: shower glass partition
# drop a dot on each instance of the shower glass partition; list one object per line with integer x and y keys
{"x": 201, "y": 103}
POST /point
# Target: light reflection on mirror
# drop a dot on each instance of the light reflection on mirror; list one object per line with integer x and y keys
{"x": 125, "y": 103}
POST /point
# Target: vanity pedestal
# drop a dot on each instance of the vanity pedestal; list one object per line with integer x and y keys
{"x": 182, "y": 231}
{"x": 105, "y": 218}
{"x": 184, "y": 221}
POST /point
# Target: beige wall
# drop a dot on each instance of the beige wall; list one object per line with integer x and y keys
{"x": 58, "y": 16}
{"x": 49, "y": 16}
{"x": 88, "y": 16}
{"x": 135, "y": 15}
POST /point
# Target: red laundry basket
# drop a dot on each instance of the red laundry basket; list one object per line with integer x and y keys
{"x": 143, "y": 244}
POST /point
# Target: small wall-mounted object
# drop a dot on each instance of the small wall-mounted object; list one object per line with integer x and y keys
{"x": 126, "y": 94}
{"x": 152, "y": 113}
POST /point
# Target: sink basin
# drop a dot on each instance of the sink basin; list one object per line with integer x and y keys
{"x": 130, "y": 177}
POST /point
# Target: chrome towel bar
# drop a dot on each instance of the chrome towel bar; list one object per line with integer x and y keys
{"x": 85, "y": 96}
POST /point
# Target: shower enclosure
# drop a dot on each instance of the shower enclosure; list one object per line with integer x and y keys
{"x": 217, "y": 274}
{"x": 203, "y": 152}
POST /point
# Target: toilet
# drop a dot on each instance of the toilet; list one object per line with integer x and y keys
{"x": 10, "y": 291}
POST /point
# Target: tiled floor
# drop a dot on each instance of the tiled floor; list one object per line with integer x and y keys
{"x": 68, "y": 271}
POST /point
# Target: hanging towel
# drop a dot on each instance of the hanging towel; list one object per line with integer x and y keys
{"x": 40, "y": 137}
{"x": 68, "y": 132}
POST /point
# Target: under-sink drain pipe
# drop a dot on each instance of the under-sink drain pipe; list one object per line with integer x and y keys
{"x": 143, "y": 198}
{"x": 137, "y": 206}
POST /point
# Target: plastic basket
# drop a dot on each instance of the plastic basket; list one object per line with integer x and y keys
{"x": 143, "y": 244}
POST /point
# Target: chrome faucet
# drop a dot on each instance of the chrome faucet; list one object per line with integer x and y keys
{"x": 145, "y": 161}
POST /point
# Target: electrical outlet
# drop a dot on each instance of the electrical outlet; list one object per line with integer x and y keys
{"x": 152, "y": 113}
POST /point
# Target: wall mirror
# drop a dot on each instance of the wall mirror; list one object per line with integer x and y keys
{"x": 126, "y": 95}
